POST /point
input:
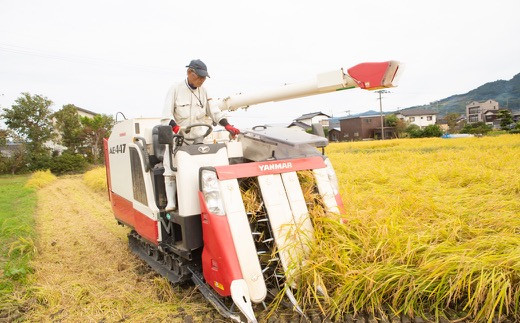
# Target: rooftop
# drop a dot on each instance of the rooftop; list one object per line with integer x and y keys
{"x": 357, "y": 116}
{"x": 300, "y": 124}
{"x": 87, "y": 111}
{"x": 311, "y": 115}
{"x": 417, "y": 112}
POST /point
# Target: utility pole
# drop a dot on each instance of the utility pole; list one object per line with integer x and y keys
{"x": 381, "y": 112}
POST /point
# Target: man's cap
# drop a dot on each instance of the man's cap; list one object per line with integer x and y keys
{"x": 199, "y": 67}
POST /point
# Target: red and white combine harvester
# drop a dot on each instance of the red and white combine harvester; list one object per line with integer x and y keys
{"x": 184, "y": 204}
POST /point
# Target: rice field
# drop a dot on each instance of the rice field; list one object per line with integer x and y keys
{"x": 431, "y": 230}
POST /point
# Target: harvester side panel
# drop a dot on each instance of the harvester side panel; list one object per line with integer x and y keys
{"x": 107, "y": 166}
{"x": 121, "y": 139}
{"x": 123, "y": 209}
{"x": 119, "y": 158}
{"x": 131, "y": 184}
{"x": 243, "y": 239}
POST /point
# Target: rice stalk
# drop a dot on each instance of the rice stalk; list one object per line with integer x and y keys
{"x": 40, "y": 179}
{"x": 432, "y": 229}
{"x": 96, "y": 179}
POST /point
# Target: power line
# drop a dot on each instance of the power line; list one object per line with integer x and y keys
{"x": 19, "y": 50}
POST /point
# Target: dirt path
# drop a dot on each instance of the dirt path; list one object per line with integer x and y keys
{"x": 84, "y": 270}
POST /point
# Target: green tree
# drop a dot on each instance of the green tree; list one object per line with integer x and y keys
{"x": 432, "y": 130}
{"x": 451, "y": 119}
{"x": 3, "y": 138}
{"x": 391, "y": 120}
{"x": 30, "y": 118}
{"x": 68, "y": 163}
{"x": 70, "y": 128}
{"x": 476, "y": 128}
{"x": 506, "y": 119}
{"x": 15, "y": 158}
{"x": 400, "y": 127}
{"x": 3, "y": 144}
{"x": 414, "y": 131}
{"x": 94, "y": 130}
{"x": 17, "y": 161}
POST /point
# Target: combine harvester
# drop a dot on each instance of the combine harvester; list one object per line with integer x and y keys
{"x": 184, "y": 204}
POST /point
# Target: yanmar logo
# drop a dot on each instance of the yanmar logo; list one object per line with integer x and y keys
{"x": 277, "y": 166}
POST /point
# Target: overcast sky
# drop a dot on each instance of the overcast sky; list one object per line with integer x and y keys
{"x": 109, "y": 56}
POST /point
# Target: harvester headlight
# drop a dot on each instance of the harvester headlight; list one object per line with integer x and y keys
{"x": 211, "y": 191}
{"x": 332, "y": 176}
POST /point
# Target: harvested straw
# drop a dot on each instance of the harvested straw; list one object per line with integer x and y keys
{"x": 84, "y": 270}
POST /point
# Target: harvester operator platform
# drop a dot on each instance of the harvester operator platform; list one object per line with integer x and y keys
{"x": 187, "y": 103}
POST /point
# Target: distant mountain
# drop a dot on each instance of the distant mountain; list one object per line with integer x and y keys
{"x": 367, "y": 113}
{"x": 506, "y": 93}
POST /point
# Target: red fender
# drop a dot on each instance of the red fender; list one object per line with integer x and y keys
{"x": 219, "y": 258}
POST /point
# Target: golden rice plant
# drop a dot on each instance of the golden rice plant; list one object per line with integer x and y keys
{"x": 40, "y": 179}
{"x": 96, "y": 179}
{"x": 431, "y": 230}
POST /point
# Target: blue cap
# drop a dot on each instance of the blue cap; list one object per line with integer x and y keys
{"x": 199, "y": 67}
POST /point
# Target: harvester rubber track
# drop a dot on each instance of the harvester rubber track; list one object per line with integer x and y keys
{"x": 177, "y": 271}
{"x": 168, "y": 265}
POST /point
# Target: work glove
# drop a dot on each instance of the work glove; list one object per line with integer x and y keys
{"x": 232, "y": 130}
{"x": 176, "y": 129}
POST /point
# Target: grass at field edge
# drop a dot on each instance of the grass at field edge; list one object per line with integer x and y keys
{"x": 17, "y": 206}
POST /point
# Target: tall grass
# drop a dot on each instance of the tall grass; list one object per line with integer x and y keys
{"x": 96, "y": 179}
{"x": 432, "y": 230}
{"x": 40, "y": 179}
{"x": 17, "y": 205}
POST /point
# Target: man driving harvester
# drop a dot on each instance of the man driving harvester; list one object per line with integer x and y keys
{"x": 187, "y": 103}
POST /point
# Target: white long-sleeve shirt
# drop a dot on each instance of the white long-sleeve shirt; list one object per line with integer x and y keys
{"x": 187, "y": 106}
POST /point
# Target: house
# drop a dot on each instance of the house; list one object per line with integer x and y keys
{"x": 443, "y": 124}
{"x": 491, "y": 118}
{"x": 86, "y": 113}
{"x": 334, "y": 122}
{"x": 54, "y": 144}
{"x": 516, "y": 115}
{"x": 335, "y": 134}
{"x": 476, "y": 111}
{"x": 363, "y": 127}
{"x": 297, "y": 124}
{"x": 420, "y": 117}
{"x": 315, "y": 117}
{"x": 10, "y": 149}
